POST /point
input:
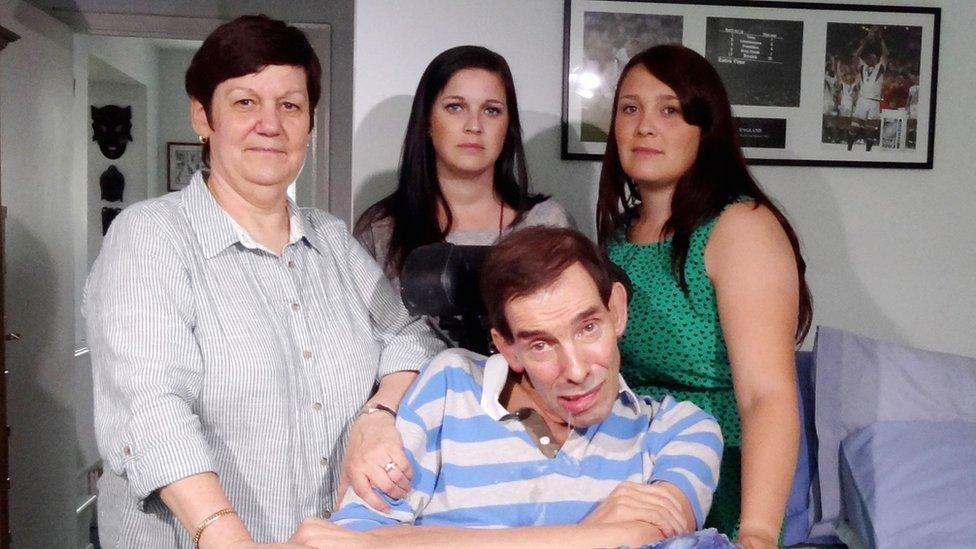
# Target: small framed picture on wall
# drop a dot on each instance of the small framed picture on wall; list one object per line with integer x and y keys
{"x": 183, "y": 160}
{"x": 809, "y": 84}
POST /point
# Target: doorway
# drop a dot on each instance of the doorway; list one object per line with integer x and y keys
{"x": 53, "y": 189}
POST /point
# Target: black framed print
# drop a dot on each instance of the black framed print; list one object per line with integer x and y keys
{"x": 182, "y": 161}
{"x": 810, "y": 84}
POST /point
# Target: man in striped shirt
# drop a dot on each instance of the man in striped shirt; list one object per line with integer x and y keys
{"x": 544, "y": 443}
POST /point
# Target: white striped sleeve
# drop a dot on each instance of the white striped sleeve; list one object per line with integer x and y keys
{"x": 685, "y": 444}
{"x": 421, "y": 416}
{"x": 146, "y": 364}
{"x": 408, "y": 342}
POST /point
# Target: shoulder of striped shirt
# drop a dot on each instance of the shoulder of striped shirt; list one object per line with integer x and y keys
{"x": 164, "y": 217}
{"x": 166, "y": 206}
{"x": 456, "y": 358}
{"x": 444, "y": 365}
{"x": 661, "y": 409}
{"x": 322, "y": 220}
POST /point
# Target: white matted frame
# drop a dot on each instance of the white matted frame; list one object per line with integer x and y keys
{"x": 799, "y": 112}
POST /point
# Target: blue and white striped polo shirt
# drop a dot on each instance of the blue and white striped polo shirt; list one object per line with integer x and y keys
{"x": 473, "y": 470}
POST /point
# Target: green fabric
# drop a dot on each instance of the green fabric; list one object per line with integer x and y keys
{"x": 724, "y": 515}
{"x": 674, "y": 345}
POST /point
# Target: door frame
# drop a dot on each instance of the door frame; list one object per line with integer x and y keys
{"x": 198, "y": 28}
{"x": 6, "y": 37}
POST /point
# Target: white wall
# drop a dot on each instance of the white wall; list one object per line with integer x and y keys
{"x": 527, "y": 34}
{"x": 174, "y": 107}
{"x": 888, "y": 250}
{"x": 36, "y": 107}
{"x": 136, "y": 58}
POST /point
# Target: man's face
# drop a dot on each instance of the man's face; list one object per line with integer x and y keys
{"x": 565, "y": 341}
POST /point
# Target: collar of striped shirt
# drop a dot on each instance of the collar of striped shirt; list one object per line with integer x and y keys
{"x": 216, "y": 229}
{"x": 496, "y": 374}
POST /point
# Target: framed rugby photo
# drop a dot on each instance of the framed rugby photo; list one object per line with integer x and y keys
{"x": 810, "y": 84}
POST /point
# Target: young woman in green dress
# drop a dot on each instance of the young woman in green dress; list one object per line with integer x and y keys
{"x": 720, "y": 299}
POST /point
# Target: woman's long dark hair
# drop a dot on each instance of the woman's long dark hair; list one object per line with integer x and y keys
{"x": 412, "y": 207}
{"x": 718, "y": 177}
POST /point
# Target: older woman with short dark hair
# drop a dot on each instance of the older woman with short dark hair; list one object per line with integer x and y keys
{"x": 237, "y": 339}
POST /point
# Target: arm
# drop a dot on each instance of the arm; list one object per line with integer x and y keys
{"x": 193, "y": 499}
{"x": 686, "y": 445}
{"x": 147, "y": 374}
{"x": 373, "y": 441}
{"x": 753, "y": 268}
{"x": 633, "y": 533}
{"x": 421, "y": 416}
{"x": 322, "y": 534}
{"x": 407, "y": 343}
{"x": 860, "y": 50}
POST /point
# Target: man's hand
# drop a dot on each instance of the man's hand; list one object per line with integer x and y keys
{"x": 319, "y": 533}
{"x": 374, "y": 444}
{"x": 656, "y": 504}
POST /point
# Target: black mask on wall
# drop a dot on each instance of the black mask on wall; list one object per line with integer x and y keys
{"x": 108, "y": 216}
{"x": 112, "y": 126}
{"x": 112, "y": 183}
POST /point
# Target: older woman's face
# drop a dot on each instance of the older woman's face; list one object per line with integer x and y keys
{"x": 259, "y": 126}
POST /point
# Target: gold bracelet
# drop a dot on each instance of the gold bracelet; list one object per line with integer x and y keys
{"x": 207, "y": 522}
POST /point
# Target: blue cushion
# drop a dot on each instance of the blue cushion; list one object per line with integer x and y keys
{"x": 799, "y": 515}
{"x": 860, "y": 381}
{"x": 911, "y": 483}
{"x": 796, "y": 527}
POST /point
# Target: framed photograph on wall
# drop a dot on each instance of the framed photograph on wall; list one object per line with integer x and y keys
{"x": 810, "y": 84}
{"x": 183, "y": 160}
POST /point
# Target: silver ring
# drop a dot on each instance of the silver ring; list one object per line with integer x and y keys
{"x": 390, "y": 466}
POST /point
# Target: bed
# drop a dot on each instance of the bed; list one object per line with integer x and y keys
{"x": 888, "y": 446}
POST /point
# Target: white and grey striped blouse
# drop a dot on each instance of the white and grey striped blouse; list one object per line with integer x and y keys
{"x": 212, "y": 354}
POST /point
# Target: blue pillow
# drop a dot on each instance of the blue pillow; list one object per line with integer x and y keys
{"x": 860, "y": 381}
{"x": 911, "y": 484}
{"x": 796, "y": 526}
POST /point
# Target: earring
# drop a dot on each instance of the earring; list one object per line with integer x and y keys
{"x": 202, "y": 139}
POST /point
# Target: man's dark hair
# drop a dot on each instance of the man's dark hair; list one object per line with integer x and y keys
{"x": 245, "y": 46}
{"x": 531, "y": 259}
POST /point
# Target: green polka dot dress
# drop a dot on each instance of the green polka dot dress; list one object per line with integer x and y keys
{"x": 674, "y": 345}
